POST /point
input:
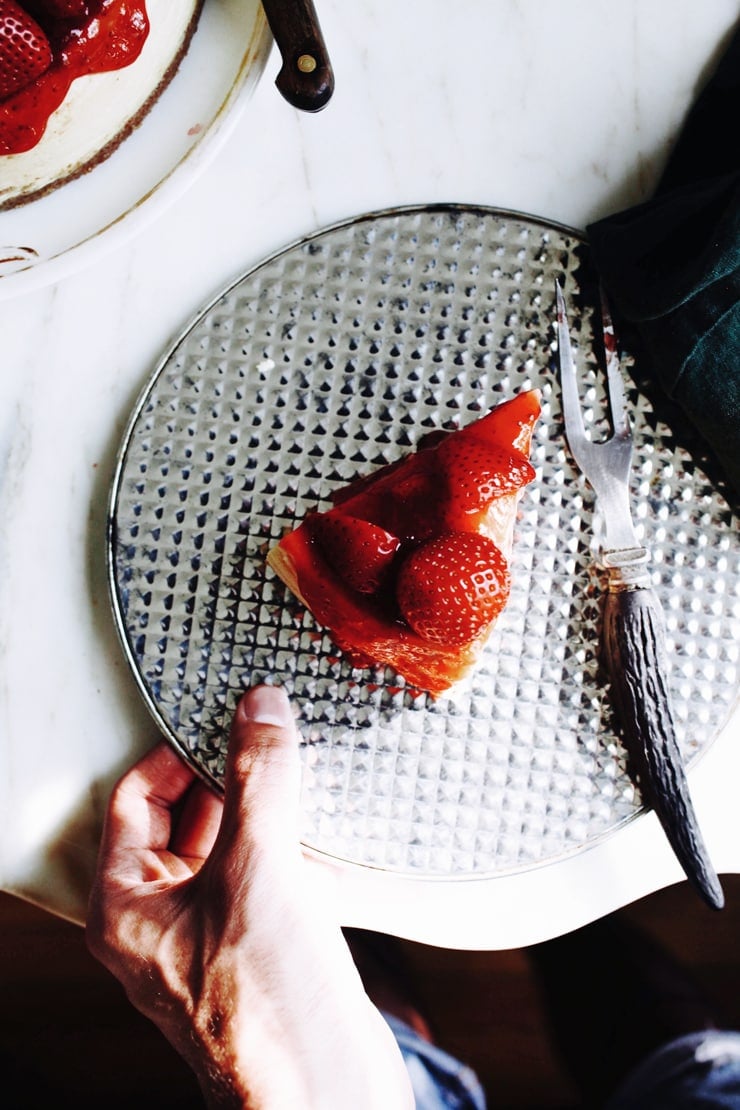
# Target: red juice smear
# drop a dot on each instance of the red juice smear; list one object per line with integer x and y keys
{"x": 112, "y": 38}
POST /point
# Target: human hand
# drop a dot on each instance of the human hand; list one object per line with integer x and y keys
{"x": 221, "y": 931}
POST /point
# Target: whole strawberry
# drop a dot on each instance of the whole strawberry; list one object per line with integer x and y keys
{"x": 450, "y": 588}
{"x": 25, "y": 52}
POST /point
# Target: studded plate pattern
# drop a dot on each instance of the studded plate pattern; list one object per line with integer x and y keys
{"x": 326, "y": 361}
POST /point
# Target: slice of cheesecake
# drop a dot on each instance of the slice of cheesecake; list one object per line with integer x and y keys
{"x": 410, "y": 567}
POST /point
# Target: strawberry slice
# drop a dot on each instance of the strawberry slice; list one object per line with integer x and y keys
{"x": 25, "y": 52}
{"x": 476, "y": 473}
{"x": 361, "y": 553}
{"x": 450, "y": 588}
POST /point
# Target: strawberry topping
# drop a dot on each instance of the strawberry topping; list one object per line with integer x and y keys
{"x": 408, "y": 570}
{"x": 25, "y": 52}
{"x": 450, "y": 588}
{"x": 360, "y": 552}
{"x": 475, "y": 473}
{"x": 58, "y": 41}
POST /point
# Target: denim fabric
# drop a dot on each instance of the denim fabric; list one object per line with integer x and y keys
{"x": 700, "y": 1071}
{"x": 439, "y": 1081}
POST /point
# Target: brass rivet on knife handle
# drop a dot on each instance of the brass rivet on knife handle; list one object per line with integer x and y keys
{"x": 306, "y": 78}
{"x": 633, "y": 640}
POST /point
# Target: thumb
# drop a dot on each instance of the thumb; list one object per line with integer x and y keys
{"x": 263, "y": 772}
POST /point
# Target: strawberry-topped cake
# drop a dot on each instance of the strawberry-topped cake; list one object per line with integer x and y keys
{"x": 76, "y": 76}
{"x": 409, "y": 568}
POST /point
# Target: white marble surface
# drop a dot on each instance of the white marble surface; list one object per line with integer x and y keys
{"x": 565, "y": 111}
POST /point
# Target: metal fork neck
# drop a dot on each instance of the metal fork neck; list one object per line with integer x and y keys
{"x": 627, "y": 568}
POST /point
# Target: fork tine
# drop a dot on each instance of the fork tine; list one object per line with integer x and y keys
{"x": 574, "y": 426}
{"x": 615, "y": 385}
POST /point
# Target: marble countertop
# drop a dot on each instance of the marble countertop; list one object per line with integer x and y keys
{"x": 563, "y": 111}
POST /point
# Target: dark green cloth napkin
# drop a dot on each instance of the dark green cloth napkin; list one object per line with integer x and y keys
{"x": 671, "y": 268}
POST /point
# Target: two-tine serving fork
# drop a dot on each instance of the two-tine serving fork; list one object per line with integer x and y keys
{"x": 633, "y": 635}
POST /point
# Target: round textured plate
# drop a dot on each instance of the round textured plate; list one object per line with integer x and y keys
{"x": 326, "y": 361}
{"x": 46, "y": 238}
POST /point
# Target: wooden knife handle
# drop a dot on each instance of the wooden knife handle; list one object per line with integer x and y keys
{"x": 306, "y": 79}
{"x": 634, "y": 645}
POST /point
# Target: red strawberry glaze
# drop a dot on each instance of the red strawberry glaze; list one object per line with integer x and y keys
{"x": 111, "y": 39}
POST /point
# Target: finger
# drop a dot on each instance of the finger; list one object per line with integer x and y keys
{"x": 262, "y": 773}
{"x": 139, "y": 814}
{"x": 197, "y": 825}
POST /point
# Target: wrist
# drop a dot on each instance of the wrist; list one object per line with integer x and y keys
{"x": 273, "y": 1067}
